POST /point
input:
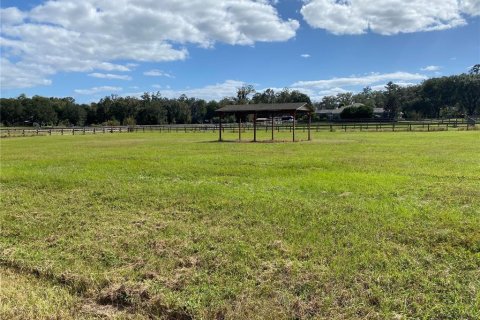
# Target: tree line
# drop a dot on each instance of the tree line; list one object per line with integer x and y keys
{"x": 149, "y": 109}
{"x": 441, "y": 97}
{"x": 452, "y": 96}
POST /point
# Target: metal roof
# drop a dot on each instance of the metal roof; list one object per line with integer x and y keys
{"x": 266, "y": 107}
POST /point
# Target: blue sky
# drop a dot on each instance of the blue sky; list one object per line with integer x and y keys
{"x": 92, "y": 48}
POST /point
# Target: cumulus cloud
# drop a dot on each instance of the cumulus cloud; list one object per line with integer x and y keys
{"x": 387, "y": 17}
{"x": 109, "y": 76}
{"x": 94, "y": 90}
{"x": 157, "y": 73}
{"x": 20, "y": 74}
{"x": 431, "y": 68}
{"x": 11, "y": 16}
{"x": 305, "y": 55}
{"x": 216, "y": 91}
{"x": 82, "y": 36}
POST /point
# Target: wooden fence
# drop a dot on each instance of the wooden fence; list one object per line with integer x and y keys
{"x": 233, "y": 127}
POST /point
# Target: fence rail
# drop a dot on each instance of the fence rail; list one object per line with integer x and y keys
{"x": 429, "y": 125}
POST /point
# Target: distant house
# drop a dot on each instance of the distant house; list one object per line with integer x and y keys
{"x": 334, "y": 114}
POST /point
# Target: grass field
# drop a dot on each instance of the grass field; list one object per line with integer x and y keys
{"x": 176, "y": 226}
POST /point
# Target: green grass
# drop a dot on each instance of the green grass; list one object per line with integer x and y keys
{"x": 350, "y": 225}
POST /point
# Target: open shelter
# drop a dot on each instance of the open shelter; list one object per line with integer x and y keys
{"x": 265, "y": 109}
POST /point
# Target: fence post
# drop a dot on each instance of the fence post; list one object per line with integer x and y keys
{"x": 393, "y": 127}
{"x": 73, "y": 132}
{"x": 50, "y": 132}
{"x": 83, "y": 130}
{"x": 94, "y": 130}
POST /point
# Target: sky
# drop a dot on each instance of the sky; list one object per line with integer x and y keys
{"x": 208, "y": 48}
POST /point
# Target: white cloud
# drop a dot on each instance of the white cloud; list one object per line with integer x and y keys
{"x": 83, "y": 36}
{"x": 471, "y": 7}
{"x": 431, "y": 68}
{"x": 157, "y": 73}
{"x": 109, "y": 76}
{"x": 305, "y": 55}
{"x": 387, "y": 17}
{"x": 216, "y": 91}
{"x": 17, "y": 75}
{"x": 11, "y": 16}
{"x": 94, "y": 90}
{"x": 366, "y": 80}
{"x": 317, "y": 89}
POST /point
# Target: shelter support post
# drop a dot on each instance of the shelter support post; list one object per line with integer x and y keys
{"x": 293, "y": 127}
{"x": 239, "y": 127}
{"x": 255, "y": 127}
{"x": 220, "y": 128}
{"x": 272, "y": 125}
{"x": 309, "y": 125}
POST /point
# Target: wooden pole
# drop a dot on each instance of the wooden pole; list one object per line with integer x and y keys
{"x": 293, "y": 128}
{"x": 239, "y": 128}
{"x": 272, "y": 127}
{"x": 309, "y": 124}
{"x": 255, "y": 127}
{"x": 220, "y": 128}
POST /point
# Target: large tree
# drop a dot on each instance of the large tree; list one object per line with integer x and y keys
{"x": 392, "y": 101}
{"x": 244, "y": 92}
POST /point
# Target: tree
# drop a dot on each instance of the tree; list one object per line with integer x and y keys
{"x": 11, "y": 111}
{"x": 344, "y": 99}
{"x": 211, "y": 107}
{"x": 74, "y": 114}
{"x": 151, "y": 114}
{"x": 243, "y": 92}
{"x": 365, "y": 97}
{"x": 360, "y": 112}
{"x": 392, "y": 102}
{"x": 468, "y": 92}
{"x": 39, "y": 110}
{"x": 475, "y": 70}
{"x": 328, "y": 102}
{"x": 198, "y": 109}
{"x": 268, "y": 96}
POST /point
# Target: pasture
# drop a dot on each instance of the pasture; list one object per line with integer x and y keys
{"x": 355, "y": 225}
